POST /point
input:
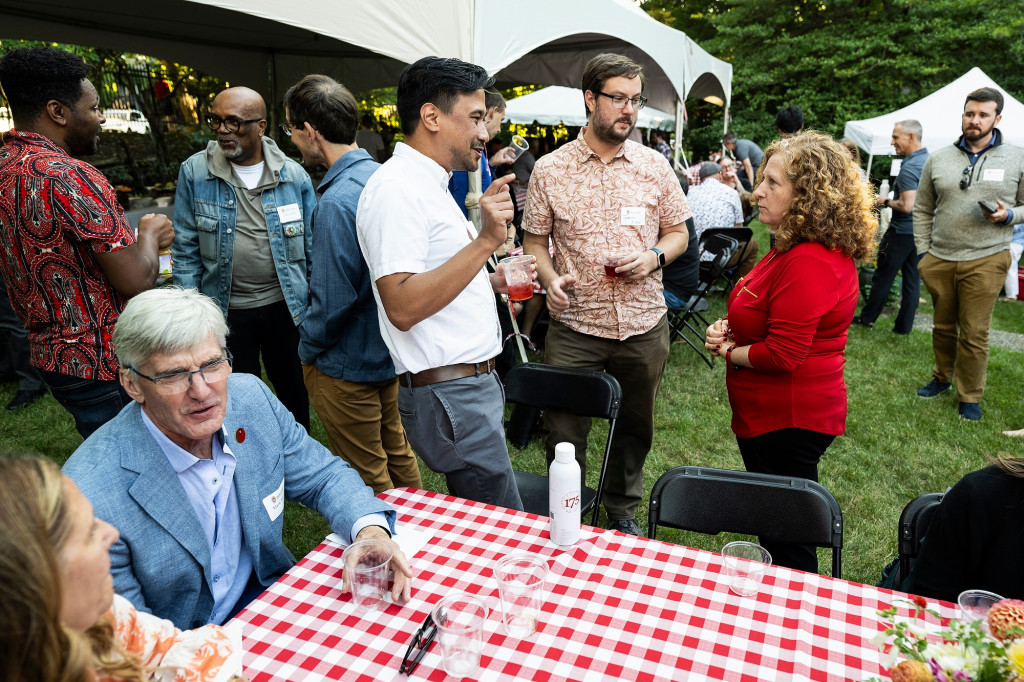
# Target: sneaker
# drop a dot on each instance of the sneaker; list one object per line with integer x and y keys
{"x": 627, "y": 526}
{"x": 971, "y": 411}
{"x": 857, "y": 320}
{"x": 934, "y": 388}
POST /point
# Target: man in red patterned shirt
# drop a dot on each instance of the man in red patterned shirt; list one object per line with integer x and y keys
{"x": 67, "y": 254}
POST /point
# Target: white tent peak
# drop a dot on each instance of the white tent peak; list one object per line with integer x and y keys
{"x": 939, "y": 115}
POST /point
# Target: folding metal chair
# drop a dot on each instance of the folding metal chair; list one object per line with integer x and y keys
{"x": 743, "y": 236}
{"x": 682, "y": 320}
{"x": 584, "y": 392}
{"x": 779, "y": 508}
{"x": 914, "y": 522}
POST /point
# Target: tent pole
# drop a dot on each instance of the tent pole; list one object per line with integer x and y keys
{"x": 272, "y": 75}
{"x": 871, "y": 157}
{"x": 677, "y": 143}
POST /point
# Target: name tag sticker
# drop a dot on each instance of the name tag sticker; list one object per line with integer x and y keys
{"x": 633, "y": 215}
{"x": 274, "y": 502}
{"x": 993, "y": 175}
{"x": 289, "y": 213}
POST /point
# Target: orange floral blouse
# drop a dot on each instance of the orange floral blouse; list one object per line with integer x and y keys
{"x": 208, "y": 654}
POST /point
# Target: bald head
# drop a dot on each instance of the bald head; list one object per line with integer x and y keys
{"x": 243, "y": 116}
{"x": 244, "y": 99}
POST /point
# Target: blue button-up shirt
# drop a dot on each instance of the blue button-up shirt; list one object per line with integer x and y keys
{"x": 210, "y": 486}
{"x": 341, "y": 332}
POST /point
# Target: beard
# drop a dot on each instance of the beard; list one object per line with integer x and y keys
{"x": 608, "y": 133}
{"x": 974, "y": 134}
{"x": 83, "y": 141}
{"x": 232, "y": 152}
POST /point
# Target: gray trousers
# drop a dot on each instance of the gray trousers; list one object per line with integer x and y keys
{"x": 457, "y": 429}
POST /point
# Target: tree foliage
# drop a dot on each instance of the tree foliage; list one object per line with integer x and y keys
{"x": 841, "y": 60}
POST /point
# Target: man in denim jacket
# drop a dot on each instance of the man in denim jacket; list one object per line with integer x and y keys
{"x": 243, "y": 201}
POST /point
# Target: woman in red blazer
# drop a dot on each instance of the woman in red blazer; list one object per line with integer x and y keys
{"x": 785, "y": 336}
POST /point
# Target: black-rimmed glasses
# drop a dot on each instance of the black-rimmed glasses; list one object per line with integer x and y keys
{"x": 965, "y": 181}
{"x": 231, "y": 123}
{"x": 421, "y": 641}
{"x": 179, "y": 382}
{"x": 619, "y": 101}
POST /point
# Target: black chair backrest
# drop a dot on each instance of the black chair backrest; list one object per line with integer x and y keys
{"x": 742, "y": 235}
{"x": 583, "y": 392}
{"x": 722, "y": 247}
{"x": 778, "y": 508}
{"x": 914, "y": 522}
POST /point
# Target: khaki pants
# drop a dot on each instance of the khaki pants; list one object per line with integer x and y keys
{"x": 964, "y": 294}
{"x": 364, "y": 428}
{"x": 637, "y": 363}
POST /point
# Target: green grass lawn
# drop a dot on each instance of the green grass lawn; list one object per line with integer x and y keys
{"x": 896, "y": 447}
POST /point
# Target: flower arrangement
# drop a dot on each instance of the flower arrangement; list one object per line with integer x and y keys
{"x": 959, "y": 652}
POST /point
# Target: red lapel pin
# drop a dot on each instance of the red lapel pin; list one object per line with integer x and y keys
{"x": 240, "y": 435}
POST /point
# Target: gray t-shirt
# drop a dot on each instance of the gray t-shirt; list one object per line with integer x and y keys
{"x": 254, "y": 280}
{"x": 746, "y": 149}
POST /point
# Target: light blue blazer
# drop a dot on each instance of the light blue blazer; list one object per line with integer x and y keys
{"x": 162, "y": 561}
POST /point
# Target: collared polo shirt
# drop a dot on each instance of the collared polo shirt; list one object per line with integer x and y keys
{"x": 580, "y": 202}
{"x": 407, "y": 221}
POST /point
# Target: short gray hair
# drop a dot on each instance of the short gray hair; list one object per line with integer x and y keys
{"x": 166, "y": 320}
{"x": 912, "y": 126}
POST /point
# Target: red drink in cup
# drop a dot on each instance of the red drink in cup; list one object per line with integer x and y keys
{"x": 520, "y": 291}
{"x": 518, "y": 276}
{"x": 612, "y": 260}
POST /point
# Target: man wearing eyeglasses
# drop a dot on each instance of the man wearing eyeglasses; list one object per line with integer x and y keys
{"x": 970, "y": 196}
{"x": 603, "y": 193}
{"x": 195, "y": 473}
{"x": 242, "y": 212}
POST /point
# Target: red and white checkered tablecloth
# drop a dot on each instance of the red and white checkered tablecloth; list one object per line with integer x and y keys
{"x": 617, "y": 607}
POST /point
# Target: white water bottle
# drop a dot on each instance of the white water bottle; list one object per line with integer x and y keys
{"x": 564, "y": 496}
{"x": 883, "y": 189}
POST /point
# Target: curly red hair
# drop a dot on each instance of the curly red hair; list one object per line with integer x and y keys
{"x": 831, "y": 204}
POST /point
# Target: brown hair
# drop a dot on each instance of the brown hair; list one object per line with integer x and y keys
{"x": 608, "y": 65}
{"x": 831, "y": 204}
{"x": 1011, "y": 465}
{"x": 34, "y": 644}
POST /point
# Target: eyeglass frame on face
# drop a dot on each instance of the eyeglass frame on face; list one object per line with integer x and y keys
{"x": 287, "y": 128}
{"x": 169, "y": 388}
{"x": 619, "y": 101}
{"x": 421, "y": 641}
{"x": 231, "y": 124}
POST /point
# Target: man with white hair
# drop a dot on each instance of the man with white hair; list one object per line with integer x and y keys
{"x": 196, "y": 471}
{"x": 897, "y": 251}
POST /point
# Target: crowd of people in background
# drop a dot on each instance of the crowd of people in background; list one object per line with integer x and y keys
{"x": 375, "y": 296}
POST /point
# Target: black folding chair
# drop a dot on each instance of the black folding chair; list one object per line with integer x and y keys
{"x": 777, "y": 508}
{"x": 585, "y": 393}
{"x": 914, "y": 522}
{"x": 682, "y": 321}
{"x": 743, "y": 236}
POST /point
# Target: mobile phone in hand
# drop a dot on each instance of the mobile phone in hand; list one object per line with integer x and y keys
{"x": 988, "y": 206}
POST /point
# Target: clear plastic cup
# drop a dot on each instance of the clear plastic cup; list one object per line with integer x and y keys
{"x": 518, "y": 276}
{"x": 519, "y": 145}
{"x": 367, "y": 564}
{"x": 745, "y": 564}
{"x": 974, "y": 604}
{"x": 521, "y": 579}
{"x": 459, "y": 618}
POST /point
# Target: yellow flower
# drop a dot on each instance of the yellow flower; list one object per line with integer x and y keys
{"x": 1015, "y": 652}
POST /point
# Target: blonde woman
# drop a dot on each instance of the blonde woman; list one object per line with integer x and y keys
{"x": 785, "y": 336}
{"x": 61, "y": 621}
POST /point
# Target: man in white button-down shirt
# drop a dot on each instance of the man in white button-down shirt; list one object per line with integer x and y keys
{"x": 435, "y": 299}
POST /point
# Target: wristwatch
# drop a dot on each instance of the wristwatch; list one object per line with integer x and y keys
{"x": 661, "y": 257}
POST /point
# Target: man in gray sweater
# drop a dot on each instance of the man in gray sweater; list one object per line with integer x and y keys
{"x": 970, "y": 196}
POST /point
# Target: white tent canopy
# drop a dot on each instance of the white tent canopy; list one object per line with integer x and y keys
{"x": 268, "y": 44}
{"x": 557, "y": 104}
{"x": 939, "y": 115}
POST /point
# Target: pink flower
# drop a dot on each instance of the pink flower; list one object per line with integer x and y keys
{"x": 940, "y": 676}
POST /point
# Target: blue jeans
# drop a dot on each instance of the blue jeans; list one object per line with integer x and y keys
{"x": 91, "y": 402}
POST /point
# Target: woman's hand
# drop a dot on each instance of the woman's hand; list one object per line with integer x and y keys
{"x": 717, "y": 336}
